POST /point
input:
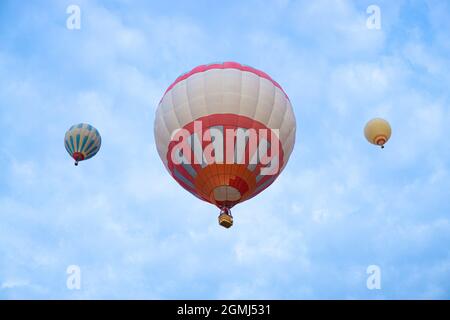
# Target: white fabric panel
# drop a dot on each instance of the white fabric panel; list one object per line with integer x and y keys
{"x": 160, "y": 125}
{"x": 214, "y": 90}
{"x": 265, "y": 101}
{"x": 279, "y": 109}
{"x": 232, "y": 81}
{"x": 250, "y": 93}
{"x": 169, "y": 115}
{"x": 288, "y": 122}
{"x": 195, "y": 85}
{"x": 180, "y": 103}
{"x": 162, "y": 136}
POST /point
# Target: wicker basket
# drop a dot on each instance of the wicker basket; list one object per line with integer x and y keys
{"x": 225, "y": 220}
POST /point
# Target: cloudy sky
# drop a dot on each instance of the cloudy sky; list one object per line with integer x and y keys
{"x": 340, "y": 206}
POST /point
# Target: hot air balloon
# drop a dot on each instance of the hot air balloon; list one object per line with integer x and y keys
{"x": 377, "y": 131}
{"x": 82, "y": 141}
{"x": 224, "y": 131}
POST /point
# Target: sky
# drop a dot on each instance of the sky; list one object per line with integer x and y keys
{"x": 340, "y": 206}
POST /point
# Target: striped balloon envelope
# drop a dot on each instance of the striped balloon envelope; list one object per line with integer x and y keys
{"x": 82, "y": 141}
{"x": 225, "y": 132}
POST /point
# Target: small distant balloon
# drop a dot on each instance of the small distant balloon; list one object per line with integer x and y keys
{"x": 378, "y": 131}
{"x": 82, "y": 142}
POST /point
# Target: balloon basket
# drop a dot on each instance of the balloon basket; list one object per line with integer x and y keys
{"x": 225, "y": 220}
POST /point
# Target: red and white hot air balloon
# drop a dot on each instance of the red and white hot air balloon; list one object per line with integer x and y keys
{"x": 225, "y": 132}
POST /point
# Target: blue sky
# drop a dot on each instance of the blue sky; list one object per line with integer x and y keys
{"x": 339, "y": 206}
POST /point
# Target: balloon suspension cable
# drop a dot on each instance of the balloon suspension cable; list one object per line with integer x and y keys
{"x": 225, "y": 210}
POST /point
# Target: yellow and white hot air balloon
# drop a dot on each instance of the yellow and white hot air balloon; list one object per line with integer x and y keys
{"x": 225, "y": 132}
{"x": 377, "y": 131}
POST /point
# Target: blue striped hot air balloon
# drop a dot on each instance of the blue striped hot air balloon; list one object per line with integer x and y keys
{"x": 82, "y": 141}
